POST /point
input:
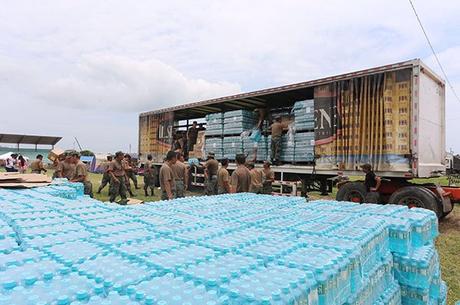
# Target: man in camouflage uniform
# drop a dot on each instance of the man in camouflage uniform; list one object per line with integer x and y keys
{"x": 180, "y": 172}
{"x": 277, "y": 132}
{"x": 167, "y": 182}
{"x": 210, "y": 173}
{"x": 269, "y": 178}
{"x": 57, "y": 165}
{"x": 81, "y": 174}
{"x": 105, "y": 175}
{"x": 117, "y": 179}
{"x": 126, "y": 162}
{"x": 66, "y": 168}
{"x": 149, "y": 176}
{"x": 130, "y": 170}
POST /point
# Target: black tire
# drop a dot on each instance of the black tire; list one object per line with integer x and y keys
{"x": 352, "y": 191}
{"x": 416, "y": 196}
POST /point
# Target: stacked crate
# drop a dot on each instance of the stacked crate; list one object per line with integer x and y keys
{"x": 214, "y": 124}
{"x": 229, "y": 249}
{"x": 249, "y": 147}
{"x": 214, "y": 145}
{"x": 300, "y": 148}
{"x": 304, "y": 147}
{"x": 232, "y": 145}
{"x": 237, "y": 121}
{"x": 304, "y": 115}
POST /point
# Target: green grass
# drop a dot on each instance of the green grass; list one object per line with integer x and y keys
{"x": 448, "y": 243}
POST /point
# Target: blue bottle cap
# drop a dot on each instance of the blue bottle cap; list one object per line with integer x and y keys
{"x": 234, "y": 293}
{"x": 117, "y": 287}
{"x": 9, "y": 284}
{"x": 149, "y": 300}
{"x": 265, "y": 301}
{"x": 139, "y": 295}
{"x": 98, "y": 289}
{"x": 131, "y": 290}
{"x": 63, "y": 300}
{"x": 30, "y": 280}
{"x": 48, "y": 276}
{"x": 82, "y": 295}
{"x": 64, "y": 270}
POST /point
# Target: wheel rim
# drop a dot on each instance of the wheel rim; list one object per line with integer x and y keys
{"x": 411, "y": 202}
{"x": 354, "y": 196}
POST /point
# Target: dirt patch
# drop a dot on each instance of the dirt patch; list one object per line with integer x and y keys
{"x": 451, "y": 224}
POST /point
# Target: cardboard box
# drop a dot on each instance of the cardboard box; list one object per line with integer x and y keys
{"x": 54, "y": 154}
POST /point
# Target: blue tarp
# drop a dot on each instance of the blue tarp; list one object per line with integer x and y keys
{"x": 90, "y": 161}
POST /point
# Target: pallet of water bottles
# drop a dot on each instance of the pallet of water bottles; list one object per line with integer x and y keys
{"x": 304, "y": 115}
{"x": 214, "y": 124}
{"x": 230, "y": 122}
{"x": 57, "y": 248}
{"x": 298, "y": 147}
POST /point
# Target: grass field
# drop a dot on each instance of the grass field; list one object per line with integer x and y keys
{"x": 448, "y": 243}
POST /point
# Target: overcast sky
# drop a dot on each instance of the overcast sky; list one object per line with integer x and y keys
{"x": 86, "y": 68}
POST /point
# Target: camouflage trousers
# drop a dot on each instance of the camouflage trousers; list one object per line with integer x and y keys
{"x": 164, "y": 195}
{"x": 88, "y": 188}
{"x": 267, "y": 189}
{"x": 118, "y": 189}
{"x": 256, "y": 190}
{"x": 276, "y": 148}
{"x": 221, "y": 190}
{"x": 132, "y": 176}
{"x": 104, "y": 182}
{"x": 180, "y": 189}
{"x": 149, "y": 182}
{"x": 211, "y": 186}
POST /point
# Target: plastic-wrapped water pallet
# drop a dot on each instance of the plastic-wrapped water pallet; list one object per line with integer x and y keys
{"x": 238, "y": 121}
{"x": 304, "y": 115}
{"x": 214, "y": 124}
{"x": 232, "y": 145}
{"x": 214, "y": 145}
{"x": 229, "y": 249}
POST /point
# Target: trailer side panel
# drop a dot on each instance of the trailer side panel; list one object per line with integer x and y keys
{"x": 430, "y": 124}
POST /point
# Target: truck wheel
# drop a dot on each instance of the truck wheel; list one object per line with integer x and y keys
{"x": 352, "y": 191}
{"x": 416, "y": 197}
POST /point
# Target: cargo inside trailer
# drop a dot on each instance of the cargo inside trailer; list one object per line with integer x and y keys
{"x": 352, "y": 119}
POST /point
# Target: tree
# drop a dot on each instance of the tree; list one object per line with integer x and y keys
{"x": 87, "y": 153}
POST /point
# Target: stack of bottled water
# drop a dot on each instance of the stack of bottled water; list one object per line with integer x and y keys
{"x": 214, "y": 124}
{"x": 238, "y": 121}
{"x": 304, "y": 115}
{"x": 58, "y": 247}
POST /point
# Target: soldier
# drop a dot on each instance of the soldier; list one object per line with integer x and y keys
{"x": 57, "y": 164}
{"x": 167, "y": 182}
{"x": 192, "y": 135}
{"x": 210, "y": 174}
{"x": 180, "y": 171}
{"x": 105, "y": 175}
{"x": 117, "y": 179}
{"x": 256, "y": 179}
{"x": 372, "y": 183}
{"x": 241, "y": 178}
{"x": 149, "y": 176}
{"x": 223, "y": 178}
{"x": 277, "y": 131}
{"x": 66, "y": 168}
{"x": 37, "y": 165}
{"x": 130, "y": 168}
{"x": 269, "y": 178}
{"x": 81, "y": 174}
